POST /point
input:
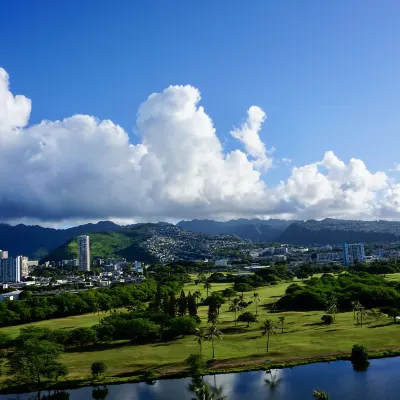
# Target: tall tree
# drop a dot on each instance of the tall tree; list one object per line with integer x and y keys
{"x": 158, "y": 298}
{"x": 172, "y": 305}
{"x": 36, "y": 359}
{"x": 256, "y": 299}
{"x": 268, "y": 329}
{"x": 235, "y": 307}
{"x": 165, "y": 303}
{"x": 212, "y": 313}
{"x": 207, "y": 286}
{"x": 197, "y": 296}
{"x": 282, "y": 321}
{"x": 361, "y": 315}
{"x": 356, "y": 306}
{"x": 332, "y": 307}
{"x": 212, "y": 334}
{"x": 199, "y": 337}
{"x": 182, "y": 304}
{"x": 191, "y": 304}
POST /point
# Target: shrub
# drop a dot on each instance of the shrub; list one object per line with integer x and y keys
{"x": 98, "y": 368}
{"x": 247, "y": 317}
{"x": 183, "y": 326}
{"x": 242, "y": 287}
{"x": 359, "y": 354}
{"x": 327, "y": 319}
{"x": 82, "y": 337}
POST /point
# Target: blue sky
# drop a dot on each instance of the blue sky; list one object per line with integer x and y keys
{"x": 326, "y": 73}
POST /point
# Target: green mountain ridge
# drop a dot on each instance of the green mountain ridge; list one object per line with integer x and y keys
{"x": 150, "y": 243}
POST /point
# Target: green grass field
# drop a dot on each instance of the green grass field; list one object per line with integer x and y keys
{"x": 303, "y": 337}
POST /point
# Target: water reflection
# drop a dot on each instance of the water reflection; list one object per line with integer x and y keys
{"x": 273, "y": 379}
{"x": 338, "y": 379}
{"x": 56, "y": 395}
{"x": 100, "y": 392}
{"x": 204, "y": 391}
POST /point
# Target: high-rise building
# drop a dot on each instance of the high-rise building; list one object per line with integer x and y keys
{"x": 353, "y": 252}
{"x": 3, "y": 254}
{"x": 84, "y": 252}
{"x": 13, "y": 269}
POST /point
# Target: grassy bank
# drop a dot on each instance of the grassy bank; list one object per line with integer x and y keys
{"x": 303, "y": 340}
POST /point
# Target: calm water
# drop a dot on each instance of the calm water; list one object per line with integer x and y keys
{"x": 381, "y": 381}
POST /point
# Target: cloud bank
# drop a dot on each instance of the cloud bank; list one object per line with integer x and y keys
{"x": 82, "y": 168}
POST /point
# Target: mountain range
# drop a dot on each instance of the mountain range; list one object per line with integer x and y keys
{"x": 254, "y": 229}
{"x": 172, "y": 241}
{"x": 160, "y": 242}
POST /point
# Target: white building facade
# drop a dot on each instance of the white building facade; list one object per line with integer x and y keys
{"x": 84, "y": 252}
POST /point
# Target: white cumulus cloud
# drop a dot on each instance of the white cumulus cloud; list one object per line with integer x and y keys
{"x": 81, "y": 168}
{"x": 248, "y": 134}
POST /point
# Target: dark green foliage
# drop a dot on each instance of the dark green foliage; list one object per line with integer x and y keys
{"x": 165, "y": 303}
{"x": 158, "y": 298}
{"x": 247, "y": 317}
{"x": 182, "y": 304}
{"x": 370, "y": 290}
{"x": 98, "y": 368}
{"x": 196, "y": 363}
{"x": 182, "y": 326}
{"x": 242, "y": 287}
{"x": 215, "y": 301}
{"x": 359, "y": 353}
{"x": 192, "y": 306}
{"x": 82, "y": 337}
{"x": 359, "y": 357}
{"x": 5, "y": 340}
{"x": 391, "y": 313}
{"x": 146, "y": 327}
{"x": 37, "y": 308}
{"x": 212, "y": 314}
{"x": 172, "y": 305}
{"x": 229, "y": 292}
{"x": 327, "y": 319}
{"x": 35, "y": 359}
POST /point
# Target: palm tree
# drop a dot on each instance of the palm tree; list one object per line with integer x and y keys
{"x": 268, "y": 329}
{"x": 356, "y": 306}
{"x": 256, "y": 299}
{"x": 200, "y": 335}
{"x": 207, "y": 286}
{"x": 212, "y": 334}
{"x": 319, "y": 395}
{"x": 235, "y": 307}
{"x": 241, "y": 301}
{"x": 197, "y": 296}
{"x": 361, "y": 313}
{"x": 282, "y": 321}
{"x": 332, "y": 307}
{"x": 375, "y": 314}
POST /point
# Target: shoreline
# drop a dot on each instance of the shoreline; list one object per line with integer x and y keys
{"x": 152, "y": 375}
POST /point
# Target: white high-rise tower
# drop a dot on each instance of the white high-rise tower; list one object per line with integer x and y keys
{"x": 84, "y": 252}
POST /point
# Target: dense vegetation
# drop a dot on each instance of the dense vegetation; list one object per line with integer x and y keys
{"x": 339, "y": 231}
{"x": 36, "y": 308}
{"x": 370, "y": 290}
